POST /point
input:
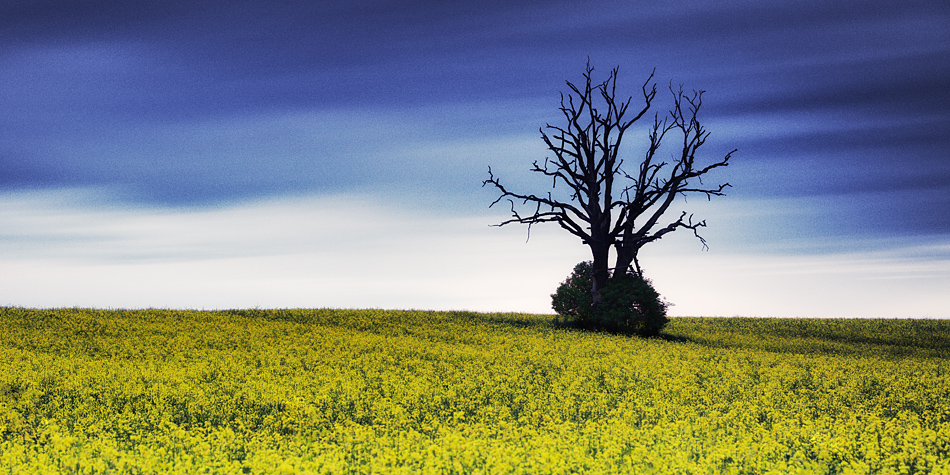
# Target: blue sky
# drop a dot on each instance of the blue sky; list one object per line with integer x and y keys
{"x": 330, "y": 154}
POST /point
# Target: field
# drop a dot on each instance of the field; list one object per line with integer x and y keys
{"x": 371, "y": 391}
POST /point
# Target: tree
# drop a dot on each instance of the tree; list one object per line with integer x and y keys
{"x": 607, "y": 207}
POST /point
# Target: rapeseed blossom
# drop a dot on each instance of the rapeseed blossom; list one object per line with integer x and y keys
{"x": 372, "y": 391}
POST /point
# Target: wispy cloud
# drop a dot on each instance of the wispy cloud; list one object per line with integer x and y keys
{"x": 242, "y": 153}
{"x": 77, "y": 248}
{"x": 898, "y": 282}
{"x": 80, "y": 248}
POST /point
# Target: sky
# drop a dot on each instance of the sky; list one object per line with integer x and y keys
{"x": 233, "y": 154}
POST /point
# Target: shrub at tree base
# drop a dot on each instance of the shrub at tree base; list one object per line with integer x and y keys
{"x": 573, "y": 299}
{"x": 628, "y": 303}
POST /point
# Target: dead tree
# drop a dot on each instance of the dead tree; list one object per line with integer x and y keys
{"x": 606, "y": 206}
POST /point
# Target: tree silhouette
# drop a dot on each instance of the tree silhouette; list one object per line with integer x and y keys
{"x": 607, "y": 206}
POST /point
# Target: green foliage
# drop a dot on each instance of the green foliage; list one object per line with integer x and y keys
{"x": 572, "y": 300}
{"x": 375, "y": 391}
{"x": 628, "y": 303}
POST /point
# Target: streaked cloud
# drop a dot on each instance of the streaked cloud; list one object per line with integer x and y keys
{"x": 237, "y": 142}
{"x": 78, "y": 248}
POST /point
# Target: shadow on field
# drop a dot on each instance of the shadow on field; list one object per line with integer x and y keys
{"x": 519, "y": 320}
{"x": 674, "y": 338}
{"x": 888, "y": 338}
{"x": 882, "y": 338}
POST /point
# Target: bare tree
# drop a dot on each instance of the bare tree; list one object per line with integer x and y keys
{"x": 607, "y": 206}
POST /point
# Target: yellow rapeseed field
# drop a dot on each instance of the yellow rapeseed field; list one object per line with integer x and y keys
{"x": 373, "y": 391}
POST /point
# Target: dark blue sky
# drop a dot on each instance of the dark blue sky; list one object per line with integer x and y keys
{"x": 840, "y": 110}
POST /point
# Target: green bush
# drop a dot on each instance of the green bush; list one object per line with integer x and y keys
{"x": 573, "y": 299}
{"x": 628, "y": 303}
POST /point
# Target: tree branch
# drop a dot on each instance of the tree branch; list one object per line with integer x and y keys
{"x": 607, "y": 206}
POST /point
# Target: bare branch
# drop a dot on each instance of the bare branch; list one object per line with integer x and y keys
{"x": 606, "y": 206}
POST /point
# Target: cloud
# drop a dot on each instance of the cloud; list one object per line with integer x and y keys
{"x": 182, "y": 123}
{"x": 897, "y": 282}
{"x": 78, "y": 248}
{"x": 218, "y": 159}
{"x": 81, "y": 248}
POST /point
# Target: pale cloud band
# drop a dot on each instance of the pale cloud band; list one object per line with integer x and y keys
{"x": 78, "y": 248}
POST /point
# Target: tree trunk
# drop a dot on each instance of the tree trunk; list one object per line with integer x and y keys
{"x": 600, "y": 272}
{"x": 623, "y": 263}
{"x": 626, "y": 257}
